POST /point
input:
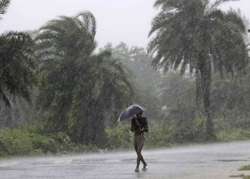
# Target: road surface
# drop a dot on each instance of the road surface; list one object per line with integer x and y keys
{"x": 212, "y": 161}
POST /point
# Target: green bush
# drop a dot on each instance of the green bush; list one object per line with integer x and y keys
{"x": 119, "y": 137}
{"x": 233, "y": 134}
{"x": 189, "y": 130}
{"x": 30, "y": 141}
{"x": 159, "y": 135}
{"x": 15, "y": 141}
{"x": 63, "y": 141}
{"x": 25, "y": 141}
{"x": 44, "y": 143}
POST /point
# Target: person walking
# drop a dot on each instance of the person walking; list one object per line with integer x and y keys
{"x": 139, "y": 125}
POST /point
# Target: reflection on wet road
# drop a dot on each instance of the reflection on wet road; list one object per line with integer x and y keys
{"x": 213, "y": 161}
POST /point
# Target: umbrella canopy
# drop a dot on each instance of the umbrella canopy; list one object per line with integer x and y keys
{"x": 130, "y": 112}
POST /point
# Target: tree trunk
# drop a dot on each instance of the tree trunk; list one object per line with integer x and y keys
{"x": 198, "y": 90}
{"x": 205, "y": 72}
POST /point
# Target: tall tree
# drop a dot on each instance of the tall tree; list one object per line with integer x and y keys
{"x": 196, "y": 35}
{"x": 145, "y": 79}
{"x": 78, "y": 87}
{"x": 16, "y": 63}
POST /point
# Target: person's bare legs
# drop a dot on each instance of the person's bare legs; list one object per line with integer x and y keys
{"x": 138, "y": 144}
{"x": 136, "y": 149}
{"x": 140, "y": 147}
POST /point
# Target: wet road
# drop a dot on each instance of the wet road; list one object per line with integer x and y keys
{"x": 213, "y": 161}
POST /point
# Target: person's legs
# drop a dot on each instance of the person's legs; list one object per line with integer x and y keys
{"x": 136, "y": 150}
{"x": 139, "y": 149}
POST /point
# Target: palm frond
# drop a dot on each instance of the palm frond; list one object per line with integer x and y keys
{"x": 3, "y": 6}
{"x": 170, "y": 4}
{"x": 161, "y": 20}
{"x": 235, "y": 18}
{"x": 219, "y": 2}
{"x": 17, "y": 64}
{"x": 88, "y": 21}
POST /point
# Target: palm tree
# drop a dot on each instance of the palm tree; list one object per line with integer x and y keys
{"x": 67, "y": 37}
{"x": 195, "y": 35}
{"x": 16, "y": 63}
{"x": 106, "y": 89}
{"x": 3, "y": 7}
{"x": 79, "y": 86}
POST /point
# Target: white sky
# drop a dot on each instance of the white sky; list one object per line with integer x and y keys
{"x": 118, "y": 20}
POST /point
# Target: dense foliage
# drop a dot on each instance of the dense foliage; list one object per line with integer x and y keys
{"x": 79, "y": 88}
{"x": 145, "y": 79}
{"x": 16, "y": 63}
{"x": 196, "y": 35}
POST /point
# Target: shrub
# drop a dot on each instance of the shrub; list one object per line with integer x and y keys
{"x": 189, "y": 130}
{"x": 23, "y": 141}
{"x": 119, "y": 137}
{"x": 233, "y": 134}
{"x": 43, "y": 143}
{"x": 160, "y": 135}
{"x": 15, "y": 141}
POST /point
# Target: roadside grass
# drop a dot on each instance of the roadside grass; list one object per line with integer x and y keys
{"x": 32, "y": 140}
{"x": 28, "y": 141}
{"x": 241, "y": 176}
{"x": 245, "y": 168}
{"x": 233, "y": 135}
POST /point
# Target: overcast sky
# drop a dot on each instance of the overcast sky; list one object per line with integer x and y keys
{"x": 117, "y": 20}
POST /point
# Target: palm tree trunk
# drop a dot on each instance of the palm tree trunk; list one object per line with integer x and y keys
{"x": 198, "y": 90}
{"x": 205, "y": 72}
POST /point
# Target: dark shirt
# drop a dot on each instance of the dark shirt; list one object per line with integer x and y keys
{"x": 139, "y": 125}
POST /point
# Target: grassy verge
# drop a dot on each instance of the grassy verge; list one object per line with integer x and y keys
{"x": 29, "y": 141}
{"x": 243, "y": 168}
{"x": 33, "y": 141}
{"x": 233, "y": 135}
